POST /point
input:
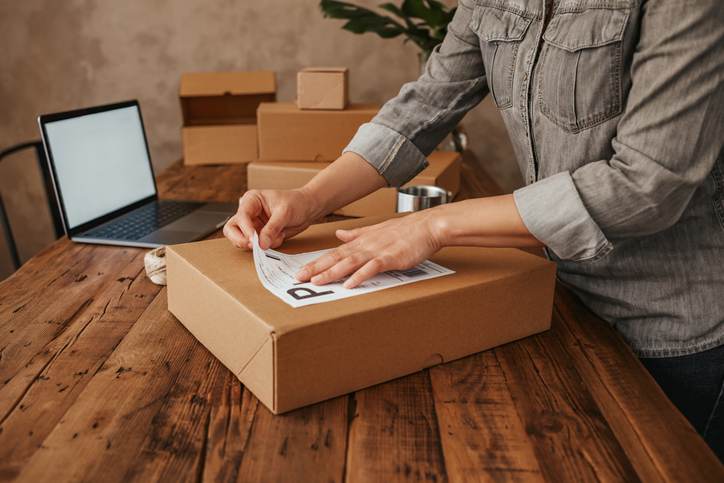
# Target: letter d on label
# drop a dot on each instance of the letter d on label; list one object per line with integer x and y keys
{"x": 306, "y": 293}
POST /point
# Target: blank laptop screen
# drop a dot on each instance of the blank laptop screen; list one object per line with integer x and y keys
{"x": 101, "y": 163}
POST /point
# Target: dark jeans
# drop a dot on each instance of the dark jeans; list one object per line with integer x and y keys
{"x": 695, "y": 384}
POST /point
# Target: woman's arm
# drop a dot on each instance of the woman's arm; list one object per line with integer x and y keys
{"x": 388, "y": 150}
{"x": 402, "y": 243}
{"x": 347, "y": 179}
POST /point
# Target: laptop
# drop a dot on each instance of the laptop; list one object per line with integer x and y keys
{"x": 104, "y": 183}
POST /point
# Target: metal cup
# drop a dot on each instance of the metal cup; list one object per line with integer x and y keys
{"x": 416, "y": 198}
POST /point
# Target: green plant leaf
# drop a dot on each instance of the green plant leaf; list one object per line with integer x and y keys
{"x": 424, "y": 22}
{"x": 431, "y": 11}
{"x": 361, "y": 20}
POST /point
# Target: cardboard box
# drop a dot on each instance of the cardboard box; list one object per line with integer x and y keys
{"x": 223, "y": 144}
{"x": 224, "y": 97}
{"x": 323, "y": 88}
{"x": 219, "y": 115}
{"x": 287, "y": 133}
{"x": 293, "y": 357}
{"x": 443, "y": 171}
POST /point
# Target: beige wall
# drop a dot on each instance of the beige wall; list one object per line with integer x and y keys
{"x": 67, "y": 54}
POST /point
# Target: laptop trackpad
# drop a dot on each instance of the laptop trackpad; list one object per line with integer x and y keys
{"x": 191, "y": 227}
{"x": 163, "y": 237}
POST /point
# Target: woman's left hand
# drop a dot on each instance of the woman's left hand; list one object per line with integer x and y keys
{"x": 396, "y": 244}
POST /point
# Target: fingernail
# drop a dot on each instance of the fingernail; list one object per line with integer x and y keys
{"x": 301, "y": 274}
{"x": 316, "y": 279}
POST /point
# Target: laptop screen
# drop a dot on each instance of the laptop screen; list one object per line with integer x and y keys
{"x": 101, "y": 163}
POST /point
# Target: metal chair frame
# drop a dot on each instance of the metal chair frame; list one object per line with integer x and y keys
{"x": 5, "y": 227}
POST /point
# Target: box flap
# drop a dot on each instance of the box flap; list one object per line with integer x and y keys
{"x": 325, "y": 69}
{"x": 291, "y": 108}
{"x": 195, "y": 84}
{"x": 233, "y": 271}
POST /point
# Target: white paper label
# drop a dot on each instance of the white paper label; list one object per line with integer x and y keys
{"x": 277, "y": 272}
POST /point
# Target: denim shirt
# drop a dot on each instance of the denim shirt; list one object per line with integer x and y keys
{"x": 615, "y": 109}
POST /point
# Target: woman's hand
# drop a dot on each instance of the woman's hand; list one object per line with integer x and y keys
{"x": 274, "y": 214}
{"x": 402, "y": 243}
{"x": 280, "y": 214}
{"x": 396, "y": 244}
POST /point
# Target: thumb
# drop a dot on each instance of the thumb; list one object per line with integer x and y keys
{"x": 349, "y": 235}
{"x": 273, "y": 228}
{"x": 346, "y": 235}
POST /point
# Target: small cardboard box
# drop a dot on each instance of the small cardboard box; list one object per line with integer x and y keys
{"x": 443, "y": 171}
{"x": 287, "y": 133}
{"x": 293, "y": 357}
{"x": 323, "y": 88}
{"x": 223, "y": 144}
{"x": 224, "y": 97}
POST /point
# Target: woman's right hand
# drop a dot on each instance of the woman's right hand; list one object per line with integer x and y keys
{"x": 274, "y": 214}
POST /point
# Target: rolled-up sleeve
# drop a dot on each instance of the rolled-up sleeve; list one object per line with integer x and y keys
{"x": 412, "y": 124}
{"x": 667, "y": 141}
{"x": 554, "y": 213}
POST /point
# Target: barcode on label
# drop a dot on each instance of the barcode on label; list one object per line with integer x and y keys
{"x": 413, "y": 272}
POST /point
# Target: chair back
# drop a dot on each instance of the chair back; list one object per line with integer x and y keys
{"x": 5, "y": 227}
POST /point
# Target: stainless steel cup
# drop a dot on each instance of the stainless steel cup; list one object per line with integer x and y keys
{"x": 416, "y": 198}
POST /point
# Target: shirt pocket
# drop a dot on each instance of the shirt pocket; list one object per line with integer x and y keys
{"x": 580, "y": 69}
{"x": 500, "y": 31}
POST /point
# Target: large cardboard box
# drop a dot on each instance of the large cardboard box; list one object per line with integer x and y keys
{"x": 287, "y": 133}
{"x": 323, "y": 88}
{"x": 219, "y": 115}
{"x": 443, "y": 171}
{"x": 223, "y": 144}
{"x": 293, "y": 357}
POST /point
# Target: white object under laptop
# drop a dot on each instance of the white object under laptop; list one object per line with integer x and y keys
{"x": 104, "y": 182}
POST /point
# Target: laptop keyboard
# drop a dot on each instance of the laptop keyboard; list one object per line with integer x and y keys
{"x": 143, "y": 221}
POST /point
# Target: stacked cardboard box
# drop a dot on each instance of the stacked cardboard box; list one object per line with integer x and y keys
{"x": 443, "y": 171}
{"x": 219, "y": 115}
{"x": 288, "y": 133}
{"x": 323, "y": 88}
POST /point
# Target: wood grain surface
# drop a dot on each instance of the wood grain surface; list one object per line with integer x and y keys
{"x": 99, "y": 382}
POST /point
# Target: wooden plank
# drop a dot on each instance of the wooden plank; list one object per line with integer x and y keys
{"x": 206, "y": 183}
{"x": 100, "y": 435}
{"x": 176, "y": 438}
{"x": 307, "y": 444}
{"x": 482, "y": 436}
{"x": 64, "y": 266}
{"x": 37, "y": 397}
{"x": 233, "y": 410}
{"x": 46, "y": 312}
{"x": 394, "y": 435}
{"x": 661, "y": 442}
{"x": 571, "y": 438}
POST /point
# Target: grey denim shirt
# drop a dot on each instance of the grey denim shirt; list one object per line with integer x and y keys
{"x": 616, "y": 113}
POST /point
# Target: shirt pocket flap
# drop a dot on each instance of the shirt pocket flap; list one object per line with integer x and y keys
{"x": 586, "y": 29}
{"x": 498, "y": 25}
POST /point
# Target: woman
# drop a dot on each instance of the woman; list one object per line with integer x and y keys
{"x": 616, "y": 113}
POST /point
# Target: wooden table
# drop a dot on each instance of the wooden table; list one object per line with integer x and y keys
{"x": 98, "y": 381}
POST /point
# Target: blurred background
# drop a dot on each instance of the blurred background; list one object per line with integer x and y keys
{"x": 77, "y": 53}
